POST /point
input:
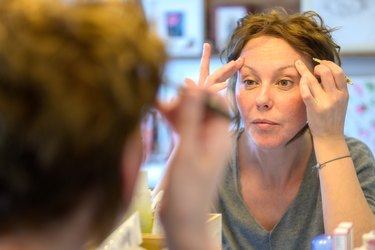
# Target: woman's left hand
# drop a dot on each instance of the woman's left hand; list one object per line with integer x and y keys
{"x": 326, "y": 101}
{"x": 217, "y": 80}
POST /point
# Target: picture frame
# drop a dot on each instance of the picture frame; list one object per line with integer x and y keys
{"x": 352, "y": 18}
{"x": 180, "y": 24}
{"x": 224, "y": 18}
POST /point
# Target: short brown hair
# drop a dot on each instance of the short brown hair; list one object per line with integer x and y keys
{"x": 74, "y": 81}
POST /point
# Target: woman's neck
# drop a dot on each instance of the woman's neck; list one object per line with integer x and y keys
{"x": 276, "y": 166}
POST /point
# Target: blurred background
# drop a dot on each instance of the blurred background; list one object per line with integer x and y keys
{"x": 185, "y": 24}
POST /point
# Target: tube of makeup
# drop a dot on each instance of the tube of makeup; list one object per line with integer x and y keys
{"x": 340, "y": 239}
{"x": 349, "y": 227}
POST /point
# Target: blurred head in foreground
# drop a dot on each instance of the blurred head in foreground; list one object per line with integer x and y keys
{"x": 75, "y": 80}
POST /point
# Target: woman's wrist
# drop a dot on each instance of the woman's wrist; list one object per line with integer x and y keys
{"x": 328, "y": 148}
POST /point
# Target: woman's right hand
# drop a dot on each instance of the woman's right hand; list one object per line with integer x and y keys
{"x": 326, "y": 100}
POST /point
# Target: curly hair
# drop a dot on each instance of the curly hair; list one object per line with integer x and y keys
{"x": 74, "y": 82}
{"x": 305, "y": 32}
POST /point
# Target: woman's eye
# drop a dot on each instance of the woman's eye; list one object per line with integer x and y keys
{"x": 250, "y": 83}
{"x": 285, "y": 84}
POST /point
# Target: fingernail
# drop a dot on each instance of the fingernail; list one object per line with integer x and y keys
{"x": 239, "y": 60}
{"x": 299, "y": 62}
{"x": 204, "y": 48}
{"x": 232, "y": 63}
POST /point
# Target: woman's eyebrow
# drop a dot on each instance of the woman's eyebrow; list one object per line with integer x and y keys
{"x": 279, "y": 69}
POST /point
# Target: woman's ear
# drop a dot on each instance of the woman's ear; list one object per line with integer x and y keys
{"x": 132, "y": 158}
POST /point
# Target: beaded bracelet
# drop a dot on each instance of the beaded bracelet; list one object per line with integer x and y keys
{"x": 319, "y": 166}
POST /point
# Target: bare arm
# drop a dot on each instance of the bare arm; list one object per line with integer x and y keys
{"x": 326, "y": 103}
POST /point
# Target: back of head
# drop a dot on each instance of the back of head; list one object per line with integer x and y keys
{"x": 74, "y": 80}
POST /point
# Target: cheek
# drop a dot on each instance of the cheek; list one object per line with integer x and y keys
{"x": 296, "y": 110}
{"x": 244, "y": 101}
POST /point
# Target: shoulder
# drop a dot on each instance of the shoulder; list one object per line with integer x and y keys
{"x": 358, "y": 147}
{"x": 364, "y": 163}
{"x": 362, "y": 156}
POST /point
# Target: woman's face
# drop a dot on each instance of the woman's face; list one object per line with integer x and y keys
{"x": 267, "y": 92}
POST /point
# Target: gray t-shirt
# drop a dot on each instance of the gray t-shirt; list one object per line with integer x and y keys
{"x": 304, "y": 218}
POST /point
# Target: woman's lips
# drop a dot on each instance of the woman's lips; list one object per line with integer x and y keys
{"x": 264, "y": 124}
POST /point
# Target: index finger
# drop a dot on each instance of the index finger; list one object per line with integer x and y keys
{"x": 226, "y": 71}
{"x": 205, "y": 64}
{"x": 315, "y": 87}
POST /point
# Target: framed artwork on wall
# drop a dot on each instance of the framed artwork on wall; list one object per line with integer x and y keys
{"x": 223, "y": 20}
{"x": 224, "y": 15}
{"x": 179, "y": 23}
{"x": 353, "y": 20}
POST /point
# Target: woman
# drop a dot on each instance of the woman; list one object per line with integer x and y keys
{"x": 289, "y": 117}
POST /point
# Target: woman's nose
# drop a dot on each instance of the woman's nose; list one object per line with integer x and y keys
{"x": 263, "y": 99}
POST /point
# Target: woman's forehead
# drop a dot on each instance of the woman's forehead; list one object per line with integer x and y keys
{"x": 267, "y": 45}
{"x": 271, "y": 50}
